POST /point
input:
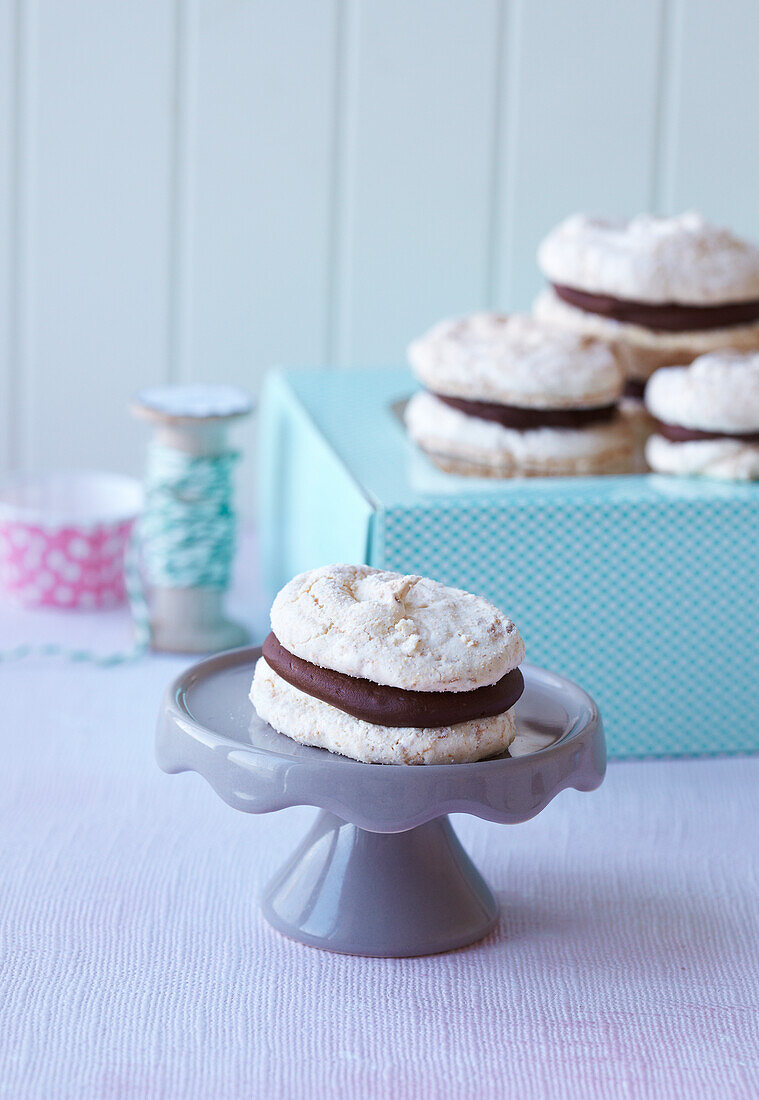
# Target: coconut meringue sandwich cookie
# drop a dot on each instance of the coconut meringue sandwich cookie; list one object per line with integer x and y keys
{"x": 707, "y": 417}
{"x": 511, "y": 396}
{"x": 661, "y": 291}
{"x": 389, "y": 669}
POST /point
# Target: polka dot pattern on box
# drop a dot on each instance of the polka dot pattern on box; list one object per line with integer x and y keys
{"x": 65, "y": 567}
{"x": 652, "y": 611}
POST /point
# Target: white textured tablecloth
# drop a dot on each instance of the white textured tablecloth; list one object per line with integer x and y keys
{"x": 135, "y": 962}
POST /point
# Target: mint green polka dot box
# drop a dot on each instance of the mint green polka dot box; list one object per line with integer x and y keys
{"x": 643, "y": 588}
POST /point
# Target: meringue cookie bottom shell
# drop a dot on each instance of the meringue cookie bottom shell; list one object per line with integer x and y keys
{"x": 724, "y": 459}
{"x": 641, "y": 351}
{"x": 463, "y": 441}
{"x": 310, "y": 721}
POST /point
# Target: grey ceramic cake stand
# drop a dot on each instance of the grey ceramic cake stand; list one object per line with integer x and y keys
{"x": 381, "y": 871}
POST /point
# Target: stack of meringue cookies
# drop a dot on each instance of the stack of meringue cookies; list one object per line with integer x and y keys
{"x": 646, "y": 343}
{"x": 393, "y": 669}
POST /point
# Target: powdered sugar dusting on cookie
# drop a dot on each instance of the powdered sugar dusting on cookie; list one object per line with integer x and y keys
{"x": 516, "y": 360}
{"x": 681, "y": 259}
{"x": 405, "y": 631}
{"x": 717, "y": 392}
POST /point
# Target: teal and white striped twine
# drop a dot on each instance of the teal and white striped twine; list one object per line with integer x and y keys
{"x": 185, "y": 538}
{"x": 187, "y": 530}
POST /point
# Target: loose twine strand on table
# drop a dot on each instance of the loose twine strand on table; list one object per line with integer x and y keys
{"x": 184, "y": 538}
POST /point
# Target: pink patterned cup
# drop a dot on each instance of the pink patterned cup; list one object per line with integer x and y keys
{"x": 63, "y": 537}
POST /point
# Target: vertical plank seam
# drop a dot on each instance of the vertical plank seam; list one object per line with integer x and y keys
{"x": 12, "y": 412}
{"x": 507, "y": 153}
{"x": 7, "y": 353}
{"x": 173, "y": 217}
{"x": 493, "y": 221}
{"x": 660, "y": 105}
{"x": 20, "y": 338}
{"x": 180, "y": 196}
{"x": 344, "y": 189}
{"x": 336, "y": 152}
{"x": 669, "y": 83}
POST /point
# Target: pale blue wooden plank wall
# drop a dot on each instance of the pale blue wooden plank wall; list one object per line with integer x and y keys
{"x": 579, "y": 123}
{"x": 94, "y": 278}
{"x": 416, "y": 139}
{"x": 257, "y": 176}
{"x": 203, "y": 188}
{"x": 7, "y": 235}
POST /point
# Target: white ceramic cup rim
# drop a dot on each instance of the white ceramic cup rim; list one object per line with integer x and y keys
{"x": 69, "y": 498}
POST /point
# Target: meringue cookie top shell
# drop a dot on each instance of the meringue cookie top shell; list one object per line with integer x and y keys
{"x": 405, "y": 631}
{"x": 682, "y": 259}
{"x": 516, "y": 360}
{"x": 718, "y": 392}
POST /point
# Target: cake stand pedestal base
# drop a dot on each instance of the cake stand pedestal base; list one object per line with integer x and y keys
{"x": 381, "y": 871}
{"x": 385, "y": 894}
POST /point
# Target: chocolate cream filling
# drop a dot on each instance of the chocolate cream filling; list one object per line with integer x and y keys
{"x": 676, "y": 433}
{"x": 663, "y": 317}
{"x": 513, "y": 416}
{"x": 391, "y": 706}
{"x": 634, "y": 389}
